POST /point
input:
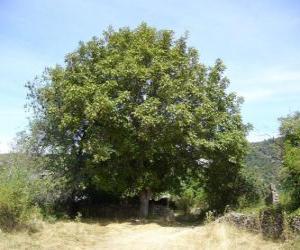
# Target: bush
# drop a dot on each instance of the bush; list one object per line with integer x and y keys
{"x": 191, "y": 196}
{"x": 16, "y": 207}
{"x": 290, "y": 131}
{"x": 45, "y": 189}
{"x": 251, "y": 190}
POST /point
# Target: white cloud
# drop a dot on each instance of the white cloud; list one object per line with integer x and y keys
{"x": 279, "y": 76}
{"x": 268, "y": 84}
{"x": 5, "y": 147}
{"x": 255, "y": 95}
{"x": 256, "y": 137}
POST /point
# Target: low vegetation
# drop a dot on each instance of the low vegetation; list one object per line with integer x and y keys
{"x": 16, "y": 197}
{"x": 114, "y": 235}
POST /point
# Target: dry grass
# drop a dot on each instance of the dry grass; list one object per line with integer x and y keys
{"x": 75, "y": 235}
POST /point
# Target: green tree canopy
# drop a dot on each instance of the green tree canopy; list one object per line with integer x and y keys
{"x": 134, "y": 111}
{"x": 290, "y": 130}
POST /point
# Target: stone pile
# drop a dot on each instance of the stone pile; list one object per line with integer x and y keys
{"x": 270, "y": 222}
{"x": 248, "y": 222}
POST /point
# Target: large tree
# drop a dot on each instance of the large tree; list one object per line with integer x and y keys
{"x": 134, "y": 111}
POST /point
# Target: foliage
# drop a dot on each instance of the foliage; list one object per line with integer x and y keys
{"x": 251, "y": 189}
{"x": 4, "y": 159}
{"x": 191, "y": 195}
{"x": 264, "y": 160}
{"x": 16, "y": 197}
{"x": 51, "y": 192}
{"x": 290, "y": 131}
{"x": 136, "y": 110}
{"x": 25, "y": 191}
{"x": 209, "y": 216}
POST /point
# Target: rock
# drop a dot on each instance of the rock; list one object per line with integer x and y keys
{"x": 273, "y": 197}
{"x": 271, "y": 218}
{"x": 271, "y": 222}
{"x": 248, "y": 222}
{"x": 295, "y": 224}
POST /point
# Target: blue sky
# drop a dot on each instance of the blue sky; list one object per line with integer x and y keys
{"x": 259, "y": 41}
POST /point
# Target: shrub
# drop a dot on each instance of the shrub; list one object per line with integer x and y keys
{"x": 210, "y": 216}
{"x": 16, "y": 206}
{"x": 191, "y": 196}
{"x": 251, "y": 190}
{"x": 290, "y": 131}
{"x": 45, "y": 189}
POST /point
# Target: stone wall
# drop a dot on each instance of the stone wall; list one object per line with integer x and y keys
{"x": 161, "y": 211}
{"x": 272, "y": 222}
{"x": 294, "y": 224}
{"x": 125, "y": 211}
{"x": 248, "y": 222}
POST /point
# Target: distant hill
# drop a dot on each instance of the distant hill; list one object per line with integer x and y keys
{"x": 264, "y": 160}
{"x": 4, "y": 158}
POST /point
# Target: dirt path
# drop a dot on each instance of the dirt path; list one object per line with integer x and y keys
{"x": 115, "y": 236}
{"x": 153, "y": 236}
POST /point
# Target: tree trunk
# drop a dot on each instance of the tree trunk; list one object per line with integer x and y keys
{"x": 145, "y": 196}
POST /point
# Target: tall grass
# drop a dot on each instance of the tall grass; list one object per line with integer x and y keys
{"x": 128, "y": 236}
